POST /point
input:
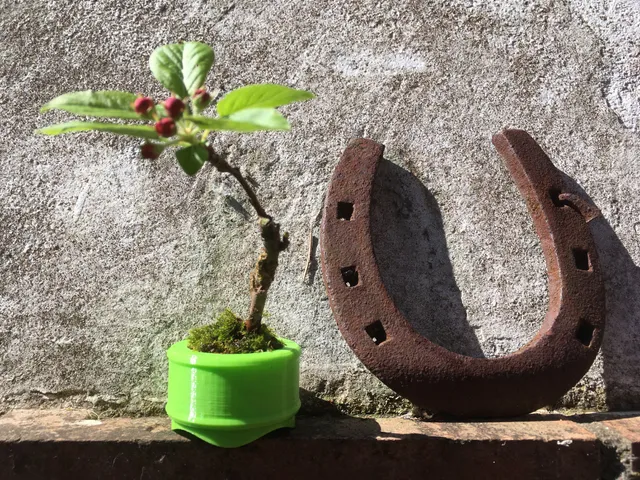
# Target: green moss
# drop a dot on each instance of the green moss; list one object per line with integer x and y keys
{"x": 228, "y": 335}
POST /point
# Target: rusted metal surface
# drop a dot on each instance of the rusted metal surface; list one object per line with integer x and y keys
{"x": 430, "y": 376}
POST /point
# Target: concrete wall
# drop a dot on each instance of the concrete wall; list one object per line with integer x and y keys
{"x": 106, "y": 259}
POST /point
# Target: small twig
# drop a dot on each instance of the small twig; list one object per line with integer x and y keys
{"x": 310, "y": 252}
{"x": 221, "y": 164}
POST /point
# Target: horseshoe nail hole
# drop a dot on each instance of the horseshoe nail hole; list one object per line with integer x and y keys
{"x": 345, "y": 210}
{"x": 585, "y": 333}
{"x": 555, "y": 198}
{"x": 376, "y": 332}
{"x": 583, "y": 262}
{"x": 349, "y": 276}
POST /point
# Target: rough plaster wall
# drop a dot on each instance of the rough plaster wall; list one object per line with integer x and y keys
{"x": 107, "y": 259}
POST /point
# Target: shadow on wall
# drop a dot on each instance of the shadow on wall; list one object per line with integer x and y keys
{"x": 621, "y": 343}
{"x": 411, "y": 251}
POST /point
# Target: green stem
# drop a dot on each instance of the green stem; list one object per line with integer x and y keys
{"x": 180, "y": 142}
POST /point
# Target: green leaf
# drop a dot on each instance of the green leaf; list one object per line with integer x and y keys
{"x": 166, "y": 65}
{"x": 262, "y": 118}
{"x": 209, "y": 123}
{"x": 192, "y": 158}
{"x": 267, "y": 95}
{"x": 197, "y": 60}
{"x": 249, "y": 120}
{"x": 106, "y": 103}
{"x": 139, "y": 131}
{"x": 182, "y": 68}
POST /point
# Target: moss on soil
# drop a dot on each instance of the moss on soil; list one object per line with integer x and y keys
{"x": 228, "y": 335}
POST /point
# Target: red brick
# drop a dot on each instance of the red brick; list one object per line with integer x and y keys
{"x": 628, "y": 429}
{"x": 62, "y": 444}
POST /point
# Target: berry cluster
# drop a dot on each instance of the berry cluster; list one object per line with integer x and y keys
{"x": 166, "y": 126}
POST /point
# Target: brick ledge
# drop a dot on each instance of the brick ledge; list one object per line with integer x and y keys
{"x": 61, "y": 444}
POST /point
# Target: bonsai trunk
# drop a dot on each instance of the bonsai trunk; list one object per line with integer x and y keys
{"x": 265, "y": 268}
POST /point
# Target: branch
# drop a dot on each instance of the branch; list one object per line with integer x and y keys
{"x": 265, "y": 268}
{"x": 221, "y": 164}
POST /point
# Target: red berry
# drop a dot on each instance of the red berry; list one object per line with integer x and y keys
{"x": 166, "y": 127}
{"x": 143, "y": 105}
{"x": 201, "y": 99}
{"x": 174, "y": 107}
{"x": 151, "y": 151}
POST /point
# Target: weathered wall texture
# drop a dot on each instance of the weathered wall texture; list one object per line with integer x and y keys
{"x": 106, "y": 259}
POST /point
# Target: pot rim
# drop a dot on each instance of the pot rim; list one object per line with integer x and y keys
{"x": 180, "y": 353}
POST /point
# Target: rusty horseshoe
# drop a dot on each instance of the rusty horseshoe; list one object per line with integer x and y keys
{"x": 427, "y": 374}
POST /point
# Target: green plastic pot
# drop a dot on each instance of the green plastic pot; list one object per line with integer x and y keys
{"x": 229, "y": 400}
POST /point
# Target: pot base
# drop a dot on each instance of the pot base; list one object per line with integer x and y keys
{"x": 229, "y": 400}
{"x": 231, "y": 438}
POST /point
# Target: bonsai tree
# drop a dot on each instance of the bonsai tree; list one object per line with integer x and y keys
{"x": 179, "y": 122}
